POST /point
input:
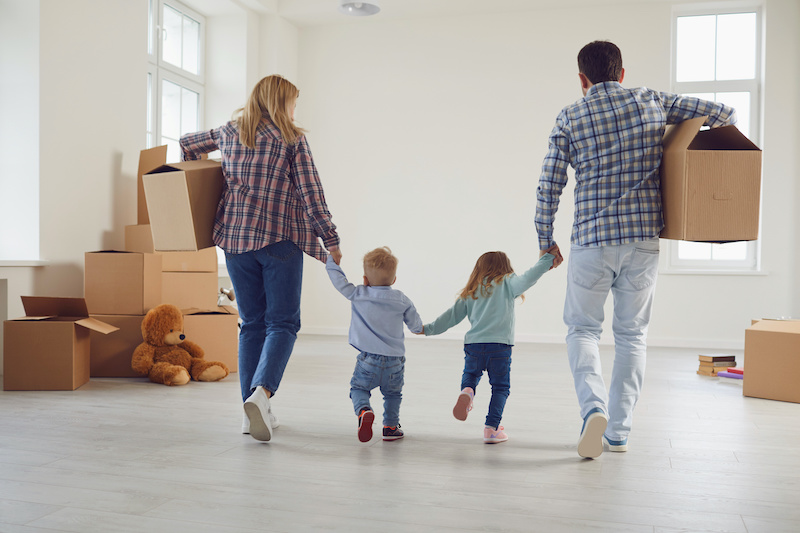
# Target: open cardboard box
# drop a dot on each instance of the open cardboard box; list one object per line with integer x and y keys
{"x": 710, "y": 184}
{"x": 182, "y": 200}
{"x": 772, "y": 360}
{"x": 49, "y": 348}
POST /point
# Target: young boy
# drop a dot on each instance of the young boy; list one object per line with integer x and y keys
{"x": 376, "y": 330}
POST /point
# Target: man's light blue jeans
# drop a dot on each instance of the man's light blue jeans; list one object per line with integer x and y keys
{"x": 629, "y": 272}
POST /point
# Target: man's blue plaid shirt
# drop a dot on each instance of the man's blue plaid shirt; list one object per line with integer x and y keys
{"x": 613, "y": 139}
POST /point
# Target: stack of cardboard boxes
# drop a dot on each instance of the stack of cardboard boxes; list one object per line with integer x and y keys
{"x": 168, "y": 257}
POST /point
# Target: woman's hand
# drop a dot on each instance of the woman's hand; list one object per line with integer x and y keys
{"x": 336, "y": 253}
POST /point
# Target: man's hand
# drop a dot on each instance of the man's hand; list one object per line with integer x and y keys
{"x": 336, "y": 253}
{"x": 556, "y": 252}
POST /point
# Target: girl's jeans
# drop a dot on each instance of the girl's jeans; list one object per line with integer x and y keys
{"x": 495, "y": 359}
{"x": 267, "y": 285}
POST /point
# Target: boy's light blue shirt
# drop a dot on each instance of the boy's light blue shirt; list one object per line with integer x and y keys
{"x": 378, "y": 314}
{"x": 492, "y": 317}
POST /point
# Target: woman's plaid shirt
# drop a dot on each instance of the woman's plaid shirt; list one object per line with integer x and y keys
{"x": 613, "y": 140}
{"x": 271, "y": 193}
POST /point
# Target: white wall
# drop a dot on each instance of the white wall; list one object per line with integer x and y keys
{"x": 19, "y": 129}
{"x": 429, "y": 136}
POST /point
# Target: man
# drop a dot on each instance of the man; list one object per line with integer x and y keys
{"x": 613, "y": 139}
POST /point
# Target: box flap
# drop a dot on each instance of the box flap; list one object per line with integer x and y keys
{"x": 679, "y": 136}
{"x": 148, "y": 160}
{"x": 722, "y": 138}
{"x": 221, "y": 310}
{"x": 186, "y": 165}
{"x": 42, "y": 306}
{"x": 777, "y": 326}
{"x": 97, "y": 325}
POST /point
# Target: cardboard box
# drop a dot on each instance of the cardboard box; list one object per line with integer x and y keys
{"x": 216, "y": 331}
{"x": 49, "y": 348}
{"x": 182, "y": 200}
{"x": 140, "y": 239}
{"x": 190, "y": 289}
{"x": 111, "y": 354}
{"x": 710, "y": 184}
{"x": 772, "y": 360}
{"x": 122, "y": 283}
{"x": 149, "y": 160}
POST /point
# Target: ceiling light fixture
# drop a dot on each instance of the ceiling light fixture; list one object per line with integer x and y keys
{"x": 359, "y": 9}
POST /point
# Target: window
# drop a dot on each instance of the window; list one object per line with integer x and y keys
{"x": 717, "y": 56}
{"x": 175, "y": 75}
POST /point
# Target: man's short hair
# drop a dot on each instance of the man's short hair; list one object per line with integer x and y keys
{"x": 380, "y": 267}
{"x": 600, "y": 61}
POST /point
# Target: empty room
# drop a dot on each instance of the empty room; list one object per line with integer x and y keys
{"x": 519, "y": 265}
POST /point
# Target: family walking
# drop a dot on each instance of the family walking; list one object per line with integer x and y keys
{"x": 273, "y": 210}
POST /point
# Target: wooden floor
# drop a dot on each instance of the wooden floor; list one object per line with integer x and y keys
{"x": 126, "y": 455}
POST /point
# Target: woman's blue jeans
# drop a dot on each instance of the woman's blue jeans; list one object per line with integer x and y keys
{"x": 267, "y": 285}
{"x": 495, "y": 359}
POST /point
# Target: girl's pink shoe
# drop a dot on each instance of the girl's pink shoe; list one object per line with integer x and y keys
{"x": 464, "y": 403}
{"x": 493, "y": 436}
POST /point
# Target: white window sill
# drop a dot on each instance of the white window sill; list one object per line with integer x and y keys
{"x": 23, "y": 263}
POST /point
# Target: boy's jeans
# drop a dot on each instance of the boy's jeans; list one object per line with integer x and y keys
{"x": 496, "y": 360}
{"x": 629, "y": 272}
{"x": 267, "y": 285}
{"x": 382, "y": 371}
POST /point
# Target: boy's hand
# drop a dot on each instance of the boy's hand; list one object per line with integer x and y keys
{"x": 421, "y": 332}
{"x": 336, "y": 253}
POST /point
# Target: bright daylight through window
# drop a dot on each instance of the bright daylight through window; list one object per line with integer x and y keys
{"x": 175, "y": 77}
{"x": 716, "y": 57}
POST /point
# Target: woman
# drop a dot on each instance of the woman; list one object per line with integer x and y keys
{"x": 272, "y": 210}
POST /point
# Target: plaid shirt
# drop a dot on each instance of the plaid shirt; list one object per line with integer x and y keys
{"x": 271, "y": 194}
{"x": 613, "y": 140}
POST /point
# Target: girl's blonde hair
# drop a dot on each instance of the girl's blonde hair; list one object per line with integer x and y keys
{"x": 271, "y": 97}
{"x": 490, "y": 268}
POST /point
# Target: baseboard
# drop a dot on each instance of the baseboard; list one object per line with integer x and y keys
{"x": 660, "y": 342}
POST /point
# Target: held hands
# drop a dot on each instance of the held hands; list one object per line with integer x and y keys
{"x": 556, "y": 252}
{"x": 336, "y": 253}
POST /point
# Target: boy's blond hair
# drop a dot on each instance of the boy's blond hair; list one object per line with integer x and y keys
{"x": 380, "y": 267}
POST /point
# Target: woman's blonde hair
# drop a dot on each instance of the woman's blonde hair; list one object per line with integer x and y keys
{"x": 270, "y": 98}
{"x": 490, "y": 268}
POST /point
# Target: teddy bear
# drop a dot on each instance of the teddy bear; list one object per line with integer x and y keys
{"x": 166, "y": 356}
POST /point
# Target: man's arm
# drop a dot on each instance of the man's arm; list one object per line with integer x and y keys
{"x": 552, "y": 182}
{"x": 680, "y": 108}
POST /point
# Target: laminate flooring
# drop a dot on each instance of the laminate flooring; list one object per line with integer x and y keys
{"x": 126, "y": 455}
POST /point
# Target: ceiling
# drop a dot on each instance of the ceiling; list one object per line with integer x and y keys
{"x": 316, "y": 12}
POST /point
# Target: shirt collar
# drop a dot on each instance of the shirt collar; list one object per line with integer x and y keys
{"x": 604, "y": 87}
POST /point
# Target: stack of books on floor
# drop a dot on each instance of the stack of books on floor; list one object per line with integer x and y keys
{"x": 712, "y": 364}
{"x": 731, "y": 372}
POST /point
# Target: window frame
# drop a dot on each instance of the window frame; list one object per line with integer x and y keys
{"x": 752, "y": 262}
{"x": 159, "y": 70}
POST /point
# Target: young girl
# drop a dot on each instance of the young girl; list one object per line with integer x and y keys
{"x": 488, "y": 302}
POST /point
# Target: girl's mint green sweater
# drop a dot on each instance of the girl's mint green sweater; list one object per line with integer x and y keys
{"x": 491, "y": 317}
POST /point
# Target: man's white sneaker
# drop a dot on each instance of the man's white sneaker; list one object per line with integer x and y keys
{"x": 590, "y": 443}
{"x": 257, "y": 408}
